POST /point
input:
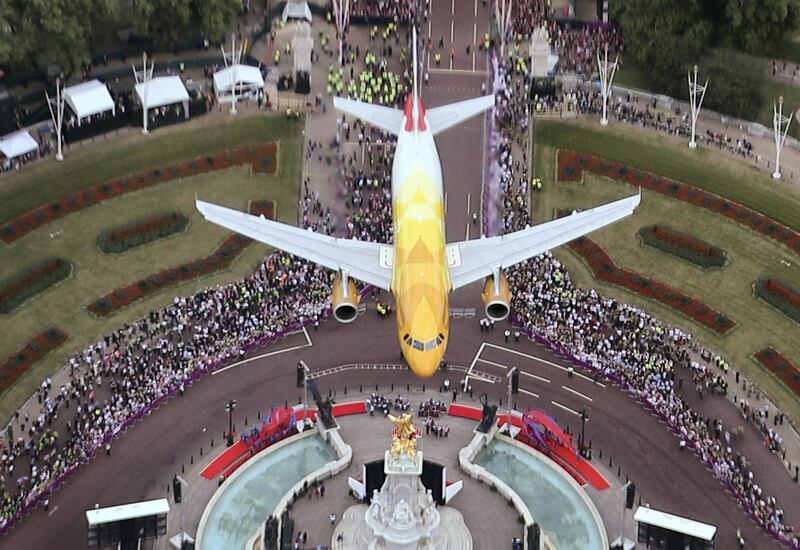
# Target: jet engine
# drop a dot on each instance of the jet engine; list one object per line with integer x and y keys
{"x": 496, "y": 296}
{"x": 344, "y": 298}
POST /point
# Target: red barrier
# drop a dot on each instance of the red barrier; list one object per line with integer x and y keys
{"x": 464, "y": 411}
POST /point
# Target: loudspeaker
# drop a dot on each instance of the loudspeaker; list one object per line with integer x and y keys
{"x": 630, "y": 493}
{"x": 176, "y": 490}
{"x": 301, "y": 376}
{"x": 515, "y": 382}
{"x": 303, "y": 83}
{"x": 270, "y": 539}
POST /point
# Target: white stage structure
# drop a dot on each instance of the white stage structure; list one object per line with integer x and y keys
{"x": 161, "y": 91}
{"x": 502, "y": 14}
{"x": 694, "y": 89}
{"x": 248, "y": 81}
{"x": 57, "y": 116}
{"x": 232, "y": 71}
{"x": 17, "y": 144}
{"x": 780, "y": 127}
{"x": 606, "y": 81}
{"x": 89, "y": 98}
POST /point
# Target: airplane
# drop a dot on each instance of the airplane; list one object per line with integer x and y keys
{"x": 420, "y": 269}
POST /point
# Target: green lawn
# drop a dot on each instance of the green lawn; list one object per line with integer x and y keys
{"x": 729, "y": 290}
{"x": 669, "y": 158}
{"x": 120, "y": 155}
{"x": 95, "y": 273}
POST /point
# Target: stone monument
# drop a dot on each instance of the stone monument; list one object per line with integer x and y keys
{"x": 540, "y": 53}
{"x": 402, "y": 515}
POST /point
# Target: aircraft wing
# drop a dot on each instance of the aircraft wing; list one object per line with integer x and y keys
{"x": 386, "y": 118}
{"x": 472, "y": 260}
{"x": 365, "y": 261}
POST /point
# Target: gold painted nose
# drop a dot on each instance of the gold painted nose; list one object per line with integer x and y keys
{"x": 424, "y": 363}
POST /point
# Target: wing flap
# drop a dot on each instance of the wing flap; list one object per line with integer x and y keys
{"x": 364, "y": 261}
{"x": 481, "y": 256}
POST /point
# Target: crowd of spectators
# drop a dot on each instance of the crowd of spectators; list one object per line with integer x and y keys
{"x": 622, "y": 342}
{"x": 431, "y": 408}
{"x": 383, "y": 10}
{"x": 124, "y": 373}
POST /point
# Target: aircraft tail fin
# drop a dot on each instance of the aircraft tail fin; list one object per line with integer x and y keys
{"x": 445, "y": 117}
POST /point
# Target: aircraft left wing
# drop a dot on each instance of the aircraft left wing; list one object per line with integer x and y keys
{"x": 472, "y": 260}
{"x": 366, "y": 261}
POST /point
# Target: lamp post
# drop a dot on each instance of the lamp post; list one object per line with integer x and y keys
{"x": 144, "y": 79}
{"x": 510, "y": 375}
{"x": 502, "y": 11}
{"x": 695, "y": 103}
{"x": 606, "y": 81}
{"x": 58, "y": 115}
{"x": 233, "y": 68}
{"x": 229, "y": 406}
{"x": 780, "y": 127}
{"x": 341, "y": 19}
{"x": 582, "y": 440}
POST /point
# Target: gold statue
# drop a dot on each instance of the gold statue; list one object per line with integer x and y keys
{"x": 403, "y": 437}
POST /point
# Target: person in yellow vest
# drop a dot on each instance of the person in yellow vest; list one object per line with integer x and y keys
{"x": 277, "y": 57}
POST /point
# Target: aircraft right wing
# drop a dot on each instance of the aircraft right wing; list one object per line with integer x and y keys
{"x": 472, "y": 260}
{"x": 386, "y": 118}
{"x": 366, "y": 261}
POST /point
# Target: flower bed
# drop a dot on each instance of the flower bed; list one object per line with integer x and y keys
{"x": 19, "y": 361}
{"x": 780, "y": 296}
{"x": 571, "y": 165}
{"x": 136, "y": 234}
{"x": 26, "y": 284}
{"x": 262, "y": 158}
{"x": 780, "y": 366}
{"x": 221, "y": 258}
{"x": 606, "y": 270}
{"x": 683, "y": 246}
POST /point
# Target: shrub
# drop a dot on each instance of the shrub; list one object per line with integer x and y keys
{"x": 780, "y": 366}
{"x": 33, "y": 350}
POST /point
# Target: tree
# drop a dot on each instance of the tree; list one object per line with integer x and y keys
{"x": 747, "y": 25}
{"x": 214, "y": 16}
{"x": 664, "y": 37}
{"x": 735, "y": 84}
{"x": 170, "y": 22}
{"x": 48, "y": 32}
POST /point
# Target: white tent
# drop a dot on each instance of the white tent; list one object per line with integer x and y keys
{"x": 163, "y": 90}
{"x": 296, "y": 9}
{"x": 17, "y": 144}
{"x": 89, "y": 98}
{"x": 248, "y": 81}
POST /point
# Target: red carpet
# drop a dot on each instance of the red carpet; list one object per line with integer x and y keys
{"x": 344, "y": 409}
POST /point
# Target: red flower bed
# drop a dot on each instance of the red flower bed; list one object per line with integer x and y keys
{"x": 221, "y": 258}
{"x": 262, "y": 158}
{"x": 684, "y": 246}
{"x": 781, "y": 367}
{"x": 779, "y": 295}
{"x": 572, "y": 164}
{"x": 19, "y": 361}
{"x": 605, "y": 269}
{"x": 15, "y": 291}
{"x": 138, "y": 233}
